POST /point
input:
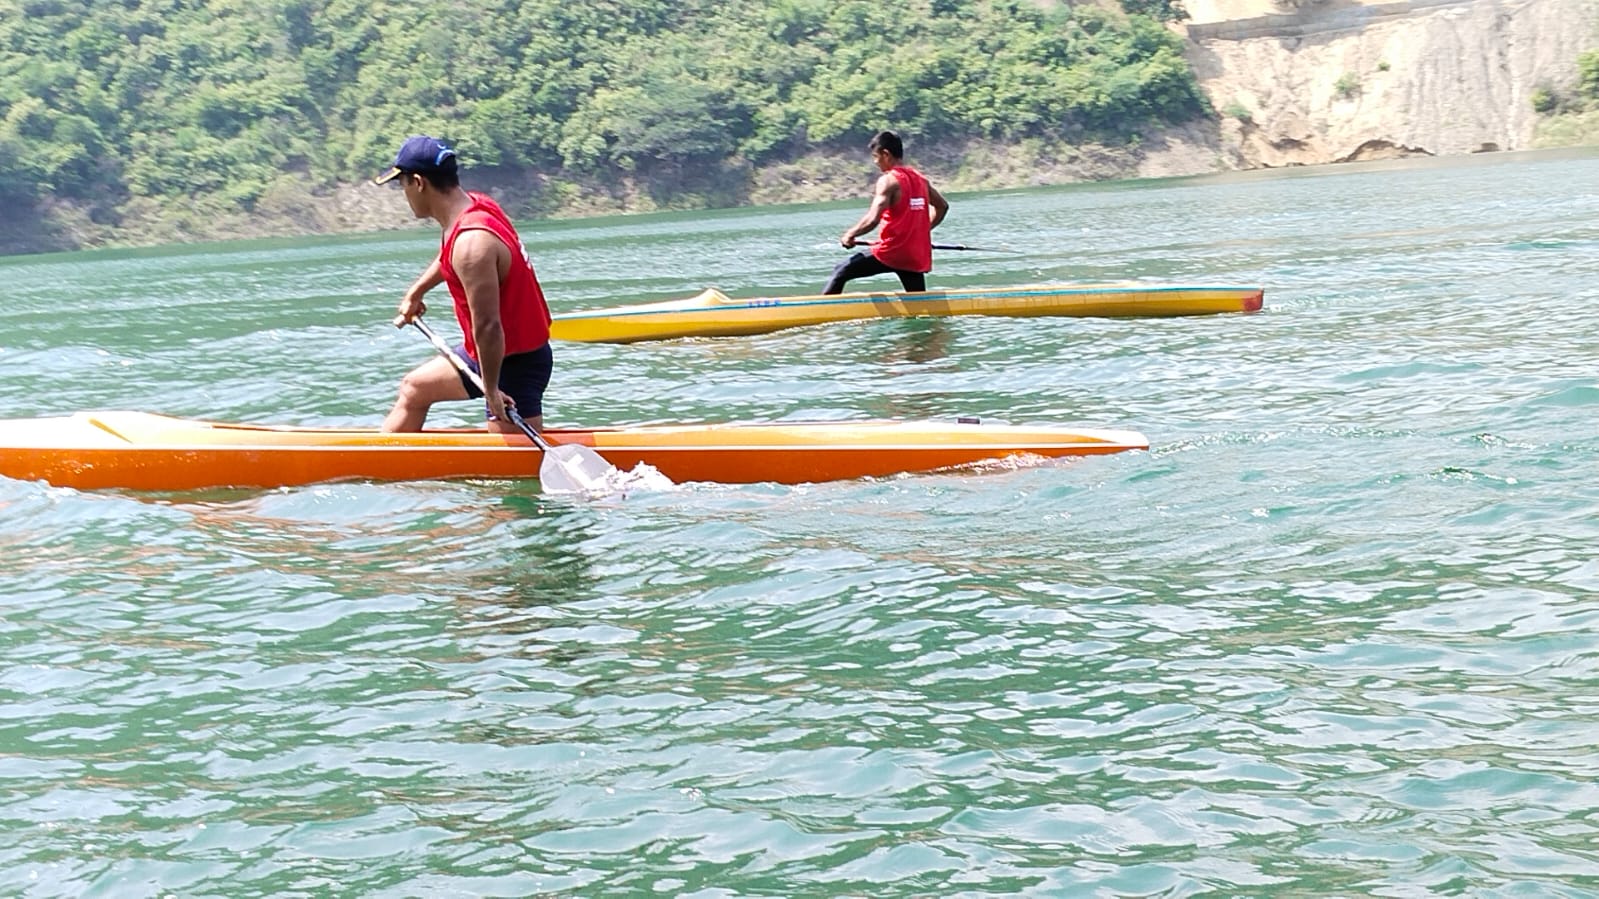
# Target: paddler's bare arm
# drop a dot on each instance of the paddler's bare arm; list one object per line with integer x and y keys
{"x": 480, "y": 260}
{"x": 411, "y": 304}
{"x": 940, "y": 206}
{"x": 882, "y": 198}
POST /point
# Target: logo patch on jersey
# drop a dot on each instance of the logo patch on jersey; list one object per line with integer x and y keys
{"x": 918, "y": 202}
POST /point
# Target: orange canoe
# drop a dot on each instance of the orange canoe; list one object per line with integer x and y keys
{"x": 141, "y": 451}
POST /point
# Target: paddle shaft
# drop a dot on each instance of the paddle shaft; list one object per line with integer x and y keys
{"x": 463, "y": 368}
{"x": 948, "y": 246}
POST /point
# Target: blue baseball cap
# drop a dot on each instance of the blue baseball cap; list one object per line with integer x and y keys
{"x": 419, "y": 155}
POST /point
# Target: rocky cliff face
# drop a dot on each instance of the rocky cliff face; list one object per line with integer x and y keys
{"x": 1317, "y": 81}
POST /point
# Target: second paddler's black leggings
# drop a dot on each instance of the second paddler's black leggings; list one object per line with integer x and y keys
{"x": 862, "y": 265}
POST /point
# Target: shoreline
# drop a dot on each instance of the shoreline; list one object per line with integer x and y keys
{"x": 353, "y": 210}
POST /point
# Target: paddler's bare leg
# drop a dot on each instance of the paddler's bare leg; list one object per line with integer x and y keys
{"x": 437, "y": 381}
{"x": 434, "y": 381}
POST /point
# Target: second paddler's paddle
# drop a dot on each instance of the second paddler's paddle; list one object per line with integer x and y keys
{"x": 949, "y": 246}
{"x": 961, "y": 246}
{"x": 567, "y": 468}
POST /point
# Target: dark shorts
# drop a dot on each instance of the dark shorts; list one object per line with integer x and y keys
{"x": 523, "y": 378}
{"x": 863, "y": 265}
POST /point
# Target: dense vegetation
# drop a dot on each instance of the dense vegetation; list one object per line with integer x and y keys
{"x": 1570, "y": 118}
{"x": 106, "y": 103}
{"x": 1582, "y": 97}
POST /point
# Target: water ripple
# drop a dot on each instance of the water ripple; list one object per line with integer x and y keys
{"x": 1329, "y": 636}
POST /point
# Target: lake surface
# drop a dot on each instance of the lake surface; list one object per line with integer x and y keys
{"x": 1334, "y": 633}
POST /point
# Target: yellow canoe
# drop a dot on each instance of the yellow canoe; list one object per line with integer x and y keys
{"x": 715, "y": 314}
{"x": 141, "y": 451}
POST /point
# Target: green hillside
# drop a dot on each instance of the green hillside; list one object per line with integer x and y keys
{"x": 116, "y": 110}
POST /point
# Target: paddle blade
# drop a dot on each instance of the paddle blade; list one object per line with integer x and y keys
{"x": 570, "y": 468}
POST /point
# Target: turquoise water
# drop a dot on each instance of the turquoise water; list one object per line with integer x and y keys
{"x": 1335, "y": 633}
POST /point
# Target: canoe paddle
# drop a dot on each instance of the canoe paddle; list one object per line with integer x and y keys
{"x": 961, "y": 246}
{"x": 950, "y": 246}
{"x": 567, "y": 468}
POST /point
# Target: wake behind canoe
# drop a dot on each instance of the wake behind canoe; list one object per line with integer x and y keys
{"x": 714, "y": 314}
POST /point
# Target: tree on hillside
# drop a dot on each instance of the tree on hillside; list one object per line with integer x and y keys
{"x": 1588, "y": 74}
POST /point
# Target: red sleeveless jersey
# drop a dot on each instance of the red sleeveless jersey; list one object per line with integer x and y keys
{"x": 906, "y": 239}
{"x": 523, "y": 313}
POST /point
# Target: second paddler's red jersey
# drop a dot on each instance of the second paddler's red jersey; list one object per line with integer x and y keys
{"x": 905, "y": 240}
{"x": 523, "y": 313}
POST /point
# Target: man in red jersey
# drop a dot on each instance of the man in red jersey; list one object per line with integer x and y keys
{"x": 498, "y": 301}
{"x": 909, "y": 209}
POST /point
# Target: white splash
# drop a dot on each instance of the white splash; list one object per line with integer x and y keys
{"x": 618, "y": 484}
